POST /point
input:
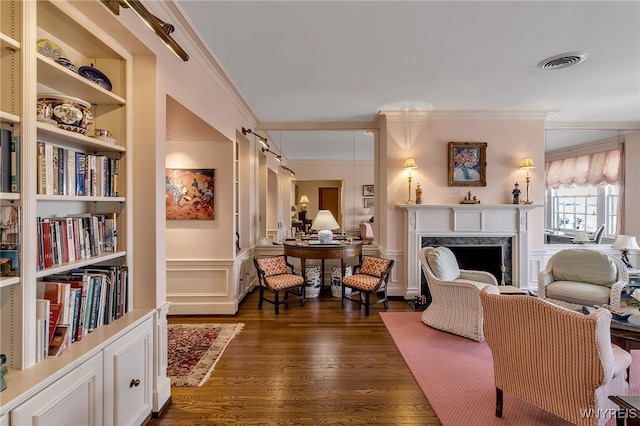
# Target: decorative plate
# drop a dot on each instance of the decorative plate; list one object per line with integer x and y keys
{"x": 50, "y": 49}
{"x": 90, "y": 73}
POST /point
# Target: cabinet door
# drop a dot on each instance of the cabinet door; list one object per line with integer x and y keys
{"x": 128, "y": 379}
{"x": 75, "y": 399}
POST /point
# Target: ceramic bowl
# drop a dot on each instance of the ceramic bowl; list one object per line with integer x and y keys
{"x": 66, "y": 63}
{"x": 44, "y": 113}
{"x": 69, "y": 113}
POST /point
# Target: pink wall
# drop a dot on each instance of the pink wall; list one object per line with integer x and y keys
{"x": 425, "y": 137}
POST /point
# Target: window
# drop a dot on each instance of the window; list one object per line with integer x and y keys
{"x": 583, "y": 208}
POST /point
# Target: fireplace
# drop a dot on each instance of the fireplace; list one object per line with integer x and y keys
{"x": 483, "y": 237}
{"x": 489, "y": 254}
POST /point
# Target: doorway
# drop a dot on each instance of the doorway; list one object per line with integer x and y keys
{"x": 329, "y": 199}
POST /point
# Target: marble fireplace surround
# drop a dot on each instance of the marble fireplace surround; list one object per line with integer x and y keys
{"x": 477, "y": 224}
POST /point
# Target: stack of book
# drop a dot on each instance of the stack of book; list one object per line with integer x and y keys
{"x": 74, "y": 304}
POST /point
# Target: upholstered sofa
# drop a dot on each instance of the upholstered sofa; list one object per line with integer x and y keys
{"x": 455, "y": 305}
{"x": 575, "y": 278}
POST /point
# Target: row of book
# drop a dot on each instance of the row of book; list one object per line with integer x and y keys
{"x": 71, "y": 305}
{"x": 9, "y": 161}
{"x": 75, "y": 237}
{"x": 63, "y": 171}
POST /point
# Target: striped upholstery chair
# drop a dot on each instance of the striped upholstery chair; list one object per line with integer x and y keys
{"x": 276, "y": 274}
{"x": 371, "y": 276}
{"x": 557, "y": 359}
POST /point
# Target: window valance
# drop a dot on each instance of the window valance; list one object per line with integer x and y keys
{"x": 600, "y": 168}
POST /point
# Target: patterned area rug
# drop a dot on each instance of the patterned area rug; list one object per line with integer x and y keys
{"x": 194, "y": 350}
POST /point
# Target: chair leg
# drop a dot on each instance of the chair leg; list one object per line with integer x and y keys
{"x": 498, "y": 402}
{"x": 386, "y": 301}
{"x": 342, "y": 298}
{"x": 366, "y": 303}
{"x": 286, "y": 294}
{"x": 261, "y": 298}
{"x": 276, "y": 301}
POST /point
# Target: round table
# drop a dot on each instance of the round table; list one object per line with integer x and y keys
{"x": 307, "y": 249}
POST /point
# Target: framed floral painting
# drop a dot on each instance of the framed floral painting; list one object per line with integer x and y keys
{"x": 190, "y": 194}
{"x": 467, "y": 164}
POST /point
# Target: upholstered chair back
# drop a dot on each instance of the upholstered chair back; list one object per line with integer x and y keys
{"x": 273, "y": 265}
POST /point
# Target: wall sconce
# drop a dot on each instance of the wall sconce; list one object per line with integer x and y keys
{"x": 624, "y": 243}
{"x": 527, "y": 164}
{"x": 409, "y": 164}
{"x": 161, "y": 28}
{"x": 278, "y": 156}
{"x": 262, "y": 139}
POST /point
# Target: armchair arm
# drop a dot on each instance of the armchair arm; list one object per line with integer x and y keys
{"x": 616, "y": 293}
{"x": 544, "y": 279}
{"x": 480, "y": 276}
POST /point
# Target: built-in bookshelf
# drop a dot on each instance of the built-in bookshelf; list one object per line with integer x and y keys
{"x": 79, "y": 189}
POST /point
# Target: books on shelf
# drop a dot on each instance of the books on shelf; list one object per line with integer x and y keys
{"x": 59, "y": 340}
{"x": 63, "y": 171}
{"x": 95, "y": 296}
{"x": 75, "y": 237}
{"x": 9, "y": 161}
{"x": 9, "y": 241}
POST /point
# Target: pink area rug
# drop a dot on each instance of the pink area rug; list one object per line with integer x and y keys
{"x": 194, "y": 349}
{"x": 456, "y": 376}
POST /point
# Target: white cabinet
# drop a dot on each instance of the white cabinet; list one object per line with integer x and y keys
{"x": 128, "y": 377}
{"x": 75, "y": 399}
{"x": 111, "y": 384}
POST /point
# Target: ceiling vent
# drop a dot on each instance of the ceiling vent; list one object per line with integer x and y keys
{"x": 562, "y": 60}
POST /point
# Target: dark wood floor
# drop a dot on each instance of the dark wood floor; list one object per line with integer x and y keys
{"x": 312, "y": 365}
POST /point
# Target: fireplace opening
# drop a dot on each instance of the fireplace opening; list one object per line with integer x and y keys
{"x": 477, "y": 253}
{"x": 480, "y": 258}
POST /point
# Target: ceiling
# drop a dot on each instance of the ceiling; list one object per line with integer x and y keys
{"x": 341, "y": 61}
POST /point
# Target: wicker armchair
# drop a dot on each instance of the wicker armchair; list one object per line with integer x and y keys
{"x": 557, "y": 359}
{"x": 276, "y": 274}
{"x": 574, "y": 278}
{"x": 455, "y": 305}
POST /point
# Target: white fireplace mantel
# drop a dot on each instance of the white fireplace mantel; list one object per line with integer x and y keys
{"x": 467, "y": 220}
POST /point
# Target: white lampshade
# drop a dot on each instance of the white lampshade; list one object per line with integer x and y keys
{"x": 625, "y": 242}
{"x": 324, "y": 222}
{"x": 581, "y": 237}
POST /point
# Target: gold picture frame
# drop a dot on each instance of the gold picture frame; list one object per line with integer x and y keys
{"x": 467, "y": 164}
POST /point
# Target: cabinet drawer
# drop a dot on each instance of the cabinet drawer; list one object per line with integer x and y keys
{"x": 128, "y": 373}
{"x": 75, "y": 399}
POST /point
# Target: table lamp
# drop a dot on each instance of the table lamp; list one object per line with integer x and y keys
{"x": 581, "y": 237}
{"x": 324, "y": 223}
{"x": 304, "y": 200}
{"x": 527, "y": 164}
{"x": 624, "y": 243}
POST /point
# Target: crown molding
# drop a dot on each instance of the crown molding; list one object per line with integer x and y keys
{"x": 607, "y": 125}
{"x": 462, "y": 114}
{"x": 170, "y": 11}
{"x": 318, "y": 125}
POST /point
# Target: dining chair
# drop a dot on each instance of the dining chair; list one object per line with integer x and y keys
{"x": 369, "y": 277}
{"x": 276, "y": 274}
